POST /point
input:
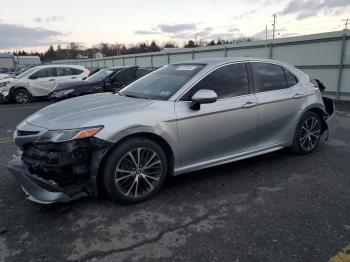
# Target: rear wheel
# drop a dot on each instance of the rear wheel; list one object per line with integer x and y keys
{"x": 135, "y": 170}
{"x": 308, "y": 133}
{"x": 22, "y": 96}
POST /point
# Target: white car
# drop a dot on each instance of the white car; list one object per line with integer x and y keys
{"x": 39, "y": 81}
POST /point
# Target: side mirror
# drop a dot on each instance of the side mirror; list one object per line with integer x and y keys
{"x": 84, "y": 78}
{"x": 33, "y": 77}
{"x": 203, "y": 96}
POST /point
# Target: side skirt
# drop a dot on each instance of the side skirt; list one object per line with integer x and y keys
{"x": 228, "y": 159}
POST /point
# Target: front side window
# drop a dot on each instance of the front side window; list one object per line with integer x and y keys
{"x": 46, "y": 72}
{"x": 226, "y": 81}
{"x": 162, "y": 83}
{"x": 25, "y": 73}
{"x": 268, "y": 77}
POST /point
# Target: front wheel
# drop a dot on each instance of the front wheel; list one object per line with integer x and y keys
{"x": 22, "y": 96}
{"x": 135, "y": 170}
{"x": 307, "y": 134}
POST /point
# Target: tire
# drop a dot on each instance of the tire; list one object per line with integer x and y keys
{"x": 22, "y": 96}
{"x": 128, "y": 184}
{"x": 307, "y": 134}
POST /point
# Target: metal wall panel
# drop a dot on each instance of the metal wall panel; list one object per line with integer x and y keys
{"x": 109, "y": 62}
{"x": 160, "y": 60}
{"x": 174, "y": 57}
{"x": 209, "y": 54}
{"x": 327, "y": 76}
{"x": 322, "y": 53}
{"x": 129, "y": 61}
{"x": 249, "y": 52}
{"x": 143, "y": 61}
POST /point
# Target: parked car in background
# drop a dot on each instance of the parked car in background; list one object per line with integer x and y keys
{"x": 180, "y": 118}
{"x": 39, "y": 81}
{"x": 106, "y": 80}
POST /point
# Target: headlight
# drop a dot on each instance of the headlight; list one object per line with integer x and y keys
{"x": 68, "y": 134}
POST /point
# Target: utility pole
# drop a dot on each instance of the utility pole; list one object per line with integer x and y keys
{"x": 346, "y": 23}
{"x": 266, "y": 33}
{"x": 274, "y": 26}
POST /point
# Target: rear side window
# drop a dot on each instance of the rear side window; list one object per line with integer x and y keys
{"x": 290, "y": 78}
{"x": 75, "y": 71}
{"x": 226, "y": 81}
{"x": 268, "y": 77}
{"x": 62, "y": 71}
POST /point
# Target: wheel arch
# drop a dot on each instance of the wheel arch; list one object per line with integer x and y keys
{"x": 148, "y": 135}
{"x": 15, "y": 88}
{"x": 318, "y": 109}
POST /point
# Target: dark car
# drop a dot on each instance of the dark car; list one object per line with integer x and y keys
{"x": 106, "y": 80}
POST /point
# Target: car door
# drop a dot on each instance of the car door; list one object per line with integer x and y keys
{"x": 42, "y": 82}
{"x": 223, "y": 128}
{"x": 280, "y": 100}
{"x": 66, "y": 74}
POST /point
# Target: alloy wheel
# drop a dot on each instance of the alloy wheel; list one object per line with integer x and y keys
{"x": 138, "y": 172}
{"x": 310, "y": 133}
{"x": 21, "y": 97}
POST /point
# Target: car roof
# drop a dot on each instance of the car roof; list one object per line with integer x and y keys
{"x": 59, "y": 65}
{"x": 225, "y": 60}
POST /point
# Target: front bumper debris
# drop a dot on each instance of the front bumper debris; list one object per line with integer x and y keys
{"x": 4, "y": 97}
{"x": 37, "y": 189}
{"x": 59, "y": 172}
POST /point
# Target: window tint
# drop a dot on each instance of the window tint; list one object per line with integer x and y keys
{"x": 125, "y": 76}
{"x": 47, "y": 72}
{"x": 268, "y": 77}
{"x": 74, "y": 71}
{"x": 226, "y": 81}
{"x": 290, "y": 78}
{"x": 62, "y": 71}
{"x": 162, "y": 83}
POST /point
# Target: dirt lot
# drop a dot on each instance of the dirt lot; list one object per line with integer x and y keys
{"x": 276, "y": 207}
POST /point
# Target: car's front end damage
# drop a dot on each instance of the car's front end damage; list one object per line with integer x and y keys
{"x": 52, "y": 167}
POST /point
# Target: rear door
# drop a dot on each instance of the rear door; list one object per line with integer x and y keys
{"x": 280, "y": 100}
{"x": 223, "y": 128}
{"x": 67, "y": 74}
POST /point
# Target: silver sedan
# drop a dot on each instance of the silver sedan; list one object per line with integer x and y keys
{"x": 182, "y": 117}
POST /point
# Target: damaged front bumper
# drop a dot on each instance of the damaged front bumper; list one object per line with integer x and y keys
{"x": 4, "y": 96}
{"x": 59, "y": 173}
{"x": 37, "y": 189}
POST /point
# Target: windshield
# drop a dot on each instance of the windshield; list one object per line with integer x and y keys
{"x": 101, "y": 75}
{"x": 26, "y": 73}
{"x": 162, "y": 83}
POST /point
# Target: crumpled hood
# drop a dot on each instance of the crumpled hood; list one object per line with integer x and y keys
{"x": 85, "y": 111}
{"x": 75, "y": 84}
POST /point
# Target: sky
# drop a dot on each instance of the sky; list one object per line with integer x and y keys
{"x": 33, "y": 25}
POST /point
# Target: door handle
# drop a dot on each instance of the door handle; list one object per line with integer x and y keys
{"x": 249, "y": 105}
{"x": 297, "y": 96}
{"x": 74, "y": 77}
{"x": 52, "y": 80}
